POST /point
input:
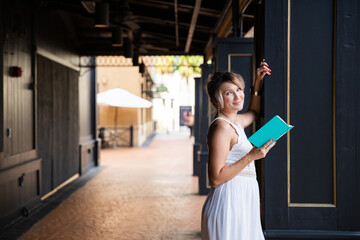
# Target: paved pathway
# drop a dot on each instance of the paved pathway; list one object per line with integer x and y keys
{"x": 143, "y": 193}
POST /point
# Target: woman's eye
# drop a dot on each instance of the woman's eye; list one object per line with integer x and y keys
{"x": 228, "y": 93}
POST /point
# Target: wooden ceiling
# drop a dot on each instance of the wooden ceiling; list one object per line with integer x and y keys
{"x": 149, "y": 27}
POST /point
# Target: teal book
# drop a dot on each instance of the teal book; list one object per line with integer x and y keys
{"x": 273, "y": 129}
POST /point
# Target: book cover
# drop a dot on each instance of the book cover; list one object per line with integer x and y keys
{"x": 273, "y": 129}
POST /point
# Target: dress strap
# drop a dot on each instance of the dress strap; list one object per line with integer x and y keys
{"x": 233, "y": 125}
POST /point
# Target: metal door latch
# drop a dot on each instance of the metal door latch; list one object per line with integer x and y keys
{"x": 21, "y": 180}
{"x": 8, "y": 132}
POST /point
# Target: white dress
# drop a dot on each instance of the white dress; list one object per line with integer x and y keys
{"x": 232, "y": 210}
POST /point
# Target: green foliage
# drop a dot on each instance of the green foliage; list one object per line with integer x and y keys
{"x": 186, "y": 65}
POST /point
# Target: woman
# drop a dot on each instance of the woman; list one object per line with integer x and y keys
{"x": 231, "y": 210}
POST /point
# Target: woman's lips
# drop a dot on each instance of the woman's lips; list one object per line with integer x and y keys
{"x": 237, "y": 103}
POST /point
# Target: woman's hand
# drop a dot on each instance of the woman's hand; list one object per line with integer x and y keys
{"x": 262, "y": 70}
{"x": 259, "y": 153}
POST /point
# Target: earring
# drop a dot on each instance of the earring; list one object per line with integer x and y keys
{"x": 218, "y": 111}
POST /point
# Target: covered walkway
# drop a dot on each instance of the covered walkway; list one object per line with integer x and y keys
{"x": 142, "y": 193}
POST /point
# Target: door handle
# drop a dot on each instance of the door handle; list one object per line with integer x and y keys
{"x": 8, "y": 132}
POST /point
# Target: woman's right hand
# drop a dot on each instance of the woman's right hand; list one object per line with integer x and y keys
{"x": 259, "y": 153}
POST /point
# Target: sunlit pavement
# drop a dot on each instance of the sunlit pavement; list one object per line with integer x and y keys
{"x": 143, "y": 193}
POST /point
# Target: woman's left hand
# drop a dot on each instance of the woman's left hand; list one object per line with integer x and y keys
{"x": 262, "y": 70}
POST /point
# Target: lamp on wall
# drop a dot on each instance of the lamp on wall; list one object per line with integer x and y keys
{"x": 102, "y": 14}
{"x": 117, "y": 38}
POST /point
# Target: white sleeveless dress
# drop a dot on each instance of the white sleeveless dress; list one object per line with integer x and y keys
{"x": 232, "y": 210}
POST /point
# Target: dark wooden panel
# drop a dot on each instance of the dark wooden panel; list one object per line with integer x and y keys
{"x": 317, "y": 218}
{"x": 198, "y": 90}
{"x": 1, "y": 86}
{"x": 88, "y": 156}
{"x": 87, "y": 104}
{"x": 16, "y": 159}
{"x": 205, "y": 119}
{"x": 66, "y": 123}
{"x": 196, "y": 127}
{"x": 45, "y": 128}
{"x": 311, "y": 108}
{"x": 306, "y": 234}
{"x": 98, "y": 150}
{"x": 348, "y": 114}
{"x": 345, "y": 216}
{"x": 12, "y": 194}
{"x": 275, "y": 32}
{"x": 52, "y": 37}
{"x": 19, "y": 95}
{"x": 58, "y": 128}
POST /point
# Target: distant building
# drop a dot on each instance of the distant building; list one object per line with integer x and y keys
{"x": 119, "y": 72}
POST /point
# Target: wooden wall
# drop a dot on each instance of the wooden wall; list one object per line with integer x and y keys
{"x": 87, "y": 92}
{"x": 348, "y": 114}
{"x": 205, "y": 117}
{"x": 19, "y": 111}
{"x": 41, "y": 142}
{"x": 312, "y": 175}
{"x": 89, "y": 144}
{"x": 20, "y": 169}
{"x": 58, "y": 122}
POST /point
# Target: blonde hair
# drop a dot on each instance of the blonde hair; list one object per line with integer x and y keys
{"x": 215, "y": 81}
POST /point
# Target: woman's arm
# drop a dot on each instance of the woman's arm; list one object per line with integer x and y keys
{"x": 220, "y": 141}
{"x": 253, "y": 111}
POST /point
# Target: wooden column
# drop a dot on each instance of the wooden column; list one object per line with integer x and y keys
{"x": 205, "y": 119}
{"x": 312, "y": 173}
{"x": 196, "y": 126}
{"x": 347, "y": 114}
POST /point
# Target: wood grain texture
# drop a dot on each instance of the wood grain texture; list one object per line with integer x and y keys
{"x": 58, "y": 122}
{"x": 348, "y": 114}
{"x": 19, "y": 114}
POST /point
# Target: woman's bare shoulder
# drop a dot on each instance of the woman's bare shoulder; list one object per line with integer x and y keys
{"x": 219, "y": 127}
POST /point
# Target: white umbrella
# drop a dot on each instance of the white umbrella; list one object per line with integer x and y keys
{"x": 118, "y": 97}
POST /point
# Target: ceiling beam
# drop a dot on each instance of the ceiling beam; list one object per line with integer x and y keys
{"x": 224, "y": 26}
{"x": 158, "y": 21}
{"x": 192, "y": 25}
{"x": 220, "y": 21}
{"x": 181, "y": 7}
{"x": 167, "y": 37}
{"x": 176, "y": 23}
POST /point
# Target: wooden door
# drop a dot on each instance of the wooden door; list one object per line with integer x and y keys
{"x": 310, "y": 175}
{"x": 58, "y": 122}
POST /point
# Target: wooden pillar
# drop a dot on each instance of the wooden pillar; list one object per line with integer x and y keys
{"x": 347, "y": 115}
{"x": 235, "y": 18}
{"x": 204, "y": 186}
{"x": 311, "y": 189}
{"x": 196, "y": 129}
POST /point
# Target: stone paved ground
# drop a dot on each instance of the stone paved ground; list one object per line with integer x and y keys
{"x": 143, "y": 193}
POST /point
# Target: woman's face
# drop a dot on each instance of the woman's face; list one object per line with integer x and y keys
{"x": 233, "y": 96}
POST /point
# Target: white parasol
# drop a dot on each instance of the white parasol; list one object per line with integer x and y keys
{"x": 118, "y": 97}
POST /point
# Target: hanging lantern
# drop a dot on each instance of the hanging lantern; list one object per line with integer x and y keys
{"x": 102, "y": 14}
